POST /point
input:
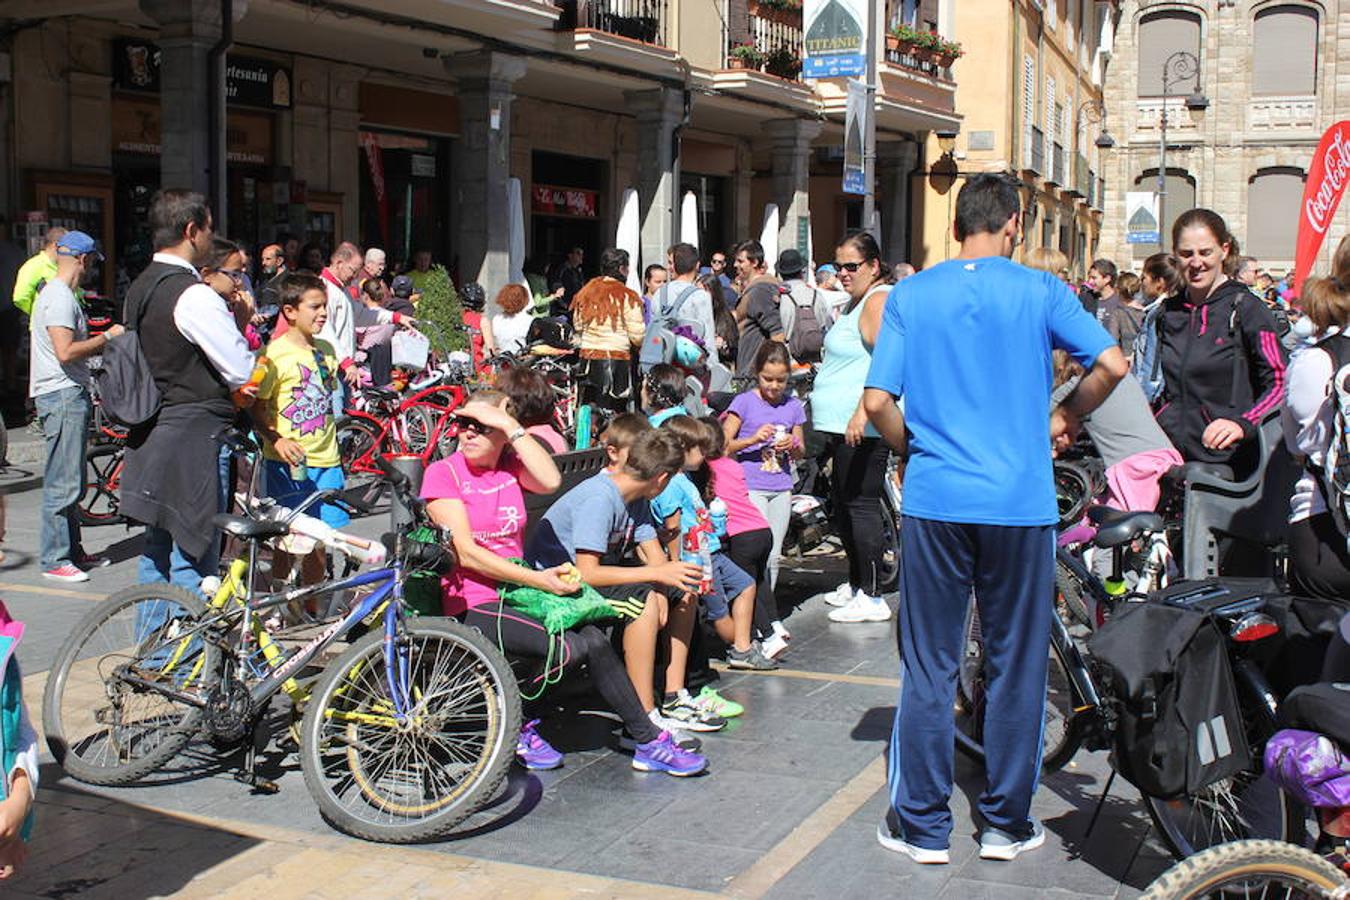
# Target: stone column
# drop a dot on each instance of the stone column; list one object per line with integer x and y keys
{"x": 483, "y": 165}
{"x": 344, "y": 152}
{"x": 658, "y": 112}
{"x": 791, "y": 156}
{"x": 895, "y": 161}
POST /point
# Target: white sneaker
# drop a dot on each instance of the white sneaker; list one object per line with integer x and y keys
{"x": 920, "y": 855}
{"x": 998, "y": 844}
{"x": 773, "y": 646}
{"x": 780, "y": 630}
{"x": 840, "y": 596}
{"x": 862, "y": 609}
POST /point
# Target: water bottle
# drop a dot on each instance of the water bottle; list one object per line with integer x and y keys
{"x": 717, "y": 512}
{"x": 695, "y": 550}
{"x": 583, "y": 426}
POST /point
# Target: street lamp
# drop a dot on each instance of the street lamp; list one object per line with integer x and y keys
{"x": 1179, "y": 67}
{"x": 1093, "y": 111}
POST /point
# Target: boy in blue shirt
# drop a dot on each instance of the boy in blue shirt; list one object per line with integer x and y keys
{"x": 967, "y": 345}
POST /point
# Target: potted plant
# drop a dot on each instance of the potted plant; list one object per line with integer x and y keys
{"x": 949, "y": 52}
{"x": 786, "y": 12}
{"x": 783, "y": 62}
{"x": 745, "y": 55}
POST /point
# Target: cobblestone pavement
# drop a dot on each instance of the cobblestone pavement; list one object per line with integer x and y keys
{"x": 788, "y": 809}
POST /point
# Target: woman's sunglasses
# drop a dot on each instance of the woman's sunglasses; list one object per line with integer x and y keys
{"x": 464, "y": 423}
{"x": 846, "y": 266}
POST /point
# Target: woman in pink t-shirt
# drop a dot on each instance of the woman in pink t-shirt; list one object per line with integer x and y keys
{"x": 476, "y": 494}
{"x": 749, "y": 542}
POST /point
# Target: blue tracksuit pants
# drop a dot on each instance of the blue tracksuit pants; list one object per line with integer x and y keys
{"x": 1011, "y": 569}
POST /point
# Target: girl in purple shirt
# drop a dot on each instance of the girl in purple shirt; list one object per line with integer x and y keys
{"x": 763, "y": 429}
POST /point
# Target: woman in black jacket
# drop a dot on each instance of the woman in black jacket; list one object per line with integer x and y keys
{"x": 1222, "y": 363}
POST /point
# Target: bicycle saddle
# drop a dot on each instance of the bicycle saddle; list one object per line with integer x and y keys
{"x": 1115, "y": 527}
{"x": 1181, "y": 474}
{"x": 249, "y": 529}
{"x": 381, "y": 394}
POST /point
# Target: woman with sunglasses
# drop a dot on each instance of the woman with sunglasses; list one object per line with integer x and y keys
{"x": 476, "y": 493}
{"x": 856, "y": 449}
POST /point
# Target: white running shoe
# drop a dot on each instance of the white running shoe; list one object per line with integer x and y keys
{"x": 862, "y": 609}
{"x": 998, "y": 844}
{"x": 781, "y": 630}
{"x": 840, "y": 596}
{"x": 773, "y": 646}
{"x": 921, "y": 855}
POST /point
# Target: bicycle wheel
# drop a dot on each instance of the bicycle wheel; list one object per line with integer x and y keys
{"x": 1070, "y": 598}
{"x": 1242, "y": 869}
{"x": 1060, "y": 737}
{"x": 1240, "y": 807}
{"x": 359, "y": 442}
{"x": 103, "y": 723}
{"x": 101, "y": 504}
{"x": 380, "y": 779}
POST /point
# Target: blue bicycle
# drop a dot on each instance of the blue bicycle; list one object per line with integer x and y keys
{"x": 402, "y": 735}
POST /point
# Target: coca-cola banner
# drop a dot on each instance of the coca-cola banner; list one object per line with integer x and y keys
{"x": 1327, "y": 176}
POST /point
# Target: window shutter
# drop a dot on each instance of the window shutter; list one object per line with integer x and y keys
{"x": 1051, "y": 14}
{"x": 1028, "y": 105}
{"x": 1160, "y": 35}
{"x": 1273, "y": 199}
{"x": 1290, "y": 70}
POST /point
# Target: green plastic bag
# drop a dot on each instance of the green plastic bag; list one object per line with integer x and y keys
{"x": 559, "y": 612}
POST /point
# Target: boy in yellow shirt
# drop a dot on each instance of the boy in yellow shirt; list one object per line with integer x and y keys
{"x": 294, "y": 415}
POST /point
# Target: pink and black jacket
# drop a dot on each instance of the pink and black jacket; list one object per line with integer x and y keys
{"x": 1221, "y": 359}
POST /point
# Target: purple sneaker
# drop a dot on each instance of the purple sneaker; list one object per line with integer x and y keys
{"x": 533, "y": 751}
{"x": 664, "y": 755}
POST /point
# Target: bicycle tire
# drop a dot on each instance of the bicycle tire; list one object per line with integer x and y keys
{"x": 349, "y": 767}
{"x": 101, "y": 504}
{"x": 1183, "y": 821}
{"x": 78, "y": 674}
{"x": 1059, "y": 743}
{"x": 1070, "y": 604}
{"x": 1232, "y": 869}
{"x": 359, "y": 441}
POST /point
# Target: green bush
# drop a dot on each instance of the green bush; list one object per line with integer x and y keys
{"x": 441, "y": 313}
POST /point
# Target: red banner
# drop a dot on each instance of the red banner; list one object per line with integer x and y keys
{"x": 375, "y": 160}
{"x": 561, "y": 201}
{"x": 1327, "y": 178}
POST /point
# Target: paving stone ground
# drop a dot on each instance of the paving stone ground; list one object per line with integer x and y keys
{"x": 789, "y": 808}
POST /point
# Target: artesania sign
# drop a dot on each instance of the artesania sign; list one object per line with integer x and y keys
{"x": 1327, "y": 177}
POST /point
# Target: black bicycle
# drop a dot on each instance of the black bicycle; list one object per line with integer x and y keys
{"x": 1078, "y": 713}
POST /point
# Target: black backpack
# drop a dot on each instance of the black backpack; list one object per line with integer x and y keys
{"x": 1178, "y": 724}
{"x": 126, "y": 386}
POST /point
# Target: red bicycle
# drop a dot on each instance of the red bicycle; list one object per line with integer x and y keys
{"x": 382, "y": 423}
{"x": 100, "y": 502}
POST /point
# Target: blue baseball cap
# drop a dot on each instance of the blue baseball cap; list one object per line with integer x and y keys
{"x": 76, "y": 243}
{"x": 403, "y": 286}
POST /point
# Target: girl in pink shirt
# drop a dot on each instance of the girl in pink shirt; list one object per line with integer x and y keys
{"x": 748, "y": 541}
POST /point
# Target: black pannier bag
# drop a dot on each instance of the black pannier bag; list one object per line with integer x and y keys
{"x": 1178, "y": 724}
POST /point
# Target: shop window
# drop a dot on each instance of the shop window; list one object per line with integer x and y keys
{"x": 1284, "y": 51}
{"x": 1160, "y": 35}
{"x": 1180, "y": 198}
{"x": 1273, "y": 198}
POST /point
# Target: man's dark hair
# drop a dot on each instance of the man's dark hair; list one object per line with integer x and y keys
{"x": 654, "y": 453}
{"x": 754, "y": 251}
{"x": 684, "y": 257}
{"x": 612, "y": 262}
{"x": 295, "y": 285}
{"x": 1107, "y": 268}
{"x": 172, "y": 210}
{"x": 985, "y": 204}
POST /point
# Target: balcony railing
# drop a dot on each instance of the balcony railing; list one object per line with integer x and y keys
{"x": 923, "y": 64}
{"x": 1034, "y": 153}
{"x": 1056, "y": 173}
{"x": 641, "y": 20}
{"x": 778, "y": 35}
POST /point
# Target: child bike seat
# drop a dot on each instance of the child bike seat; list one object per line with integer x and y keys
{"x": 249, "y": 529}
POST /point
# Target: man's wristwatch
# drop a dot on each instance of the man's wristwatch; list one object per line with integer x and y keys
{"x": 517, "y": 434}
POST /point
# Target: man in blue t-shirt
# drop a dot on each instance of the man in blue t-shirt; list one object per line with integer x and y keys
{"x": 980, "y": 509}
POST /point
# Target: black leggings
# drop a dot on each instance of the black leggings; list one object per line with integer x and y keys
{"x": 750, "y": 550}
{"x": 857, "y": 485}
{"x": 1320, "y": 561}
{"x": 522, "y": 636}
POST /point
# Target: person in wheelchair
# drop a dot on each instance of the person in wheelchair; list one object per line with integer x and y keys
{"x": 1220, "y": 355}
